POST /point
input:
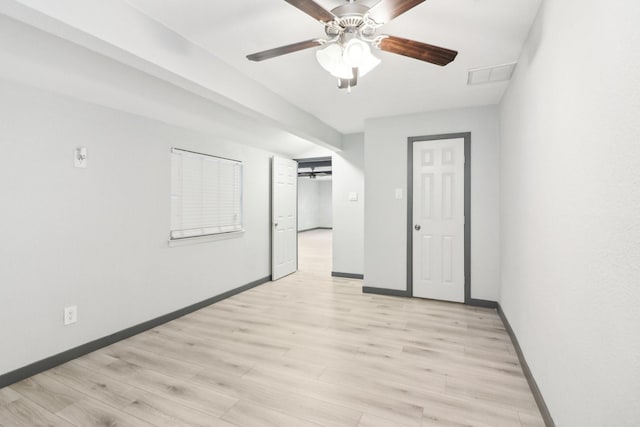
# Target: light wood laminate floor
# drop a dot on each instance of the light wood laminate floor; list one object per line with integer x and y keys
{"x": 308, "y": 350}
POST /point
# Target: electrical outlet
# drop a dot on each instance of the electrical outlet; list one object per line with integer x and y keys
{"x": 70, "y": 315}
{"x": 80, "y": 157}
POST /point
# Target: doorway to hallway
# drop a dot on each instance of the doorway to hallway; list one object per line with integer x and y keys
{"x": 314, "y": 248}
{"x": 315, "y": 214}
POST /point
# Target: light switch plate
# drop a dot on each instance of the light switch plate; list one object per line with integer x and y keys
{"x": 398, "y": 193}
{"x": 80, "y": 157}
{"x": 353, "y": 196}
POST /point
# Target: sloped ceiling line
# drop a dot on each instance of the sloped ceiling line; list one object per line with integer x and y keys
{"x": 141, "y": 42}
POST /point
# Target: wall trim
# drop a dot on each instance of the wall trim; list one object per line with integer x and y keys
{"x": 347, "y": 275}
{"x": 315, "y": 228}
{"x": 537, "y": 395}
{"x": 60, "y": 358}
{"x": 481, "y": 303}
{"x": 385, "y": 291}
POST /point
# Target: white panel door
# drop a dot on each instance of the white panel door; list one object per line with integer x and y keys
{"x": 284, "y": 241}
{"x": 438, "y": 219}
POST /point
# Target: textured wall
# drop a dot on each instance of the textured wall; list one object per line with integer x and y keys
{"x": 571, "y": 210}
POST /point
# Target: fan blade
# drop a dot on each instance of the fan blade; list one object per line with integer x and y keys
{"x": 325, "y": 173}
{"x": 413, "y": 49}
{"x": 313, "y": 9}
{"x": 385, "y": 10}
{"x": 283, "y": 50}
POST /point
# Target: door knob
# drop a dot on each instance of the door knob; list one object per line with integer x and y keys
{"x": 417, "y": 227}
{"x": 275, "y": 224}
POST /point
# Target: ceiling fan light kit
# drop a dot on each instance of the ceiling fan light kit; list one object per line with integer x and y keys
{"x": 340, "y": 61}
{"x": 332, "y": 60}
{"x": 358, "y": 55}
{"x": 355, "y": 51}
{"x": 351, "y": 29}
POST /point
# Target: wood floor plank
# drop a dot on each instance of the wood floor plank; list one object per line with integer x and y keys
{"x": 250, "y": 414}
{"x": 280, "y": 398}
{"x": 95, "y": 384}
{"x": 165, "y": 412}
{"x": 47, "y": 392}
{"x": 379, "y": 382}
{"x": 90, "y": 412}
{"x": 531, "y": 420}
{"x": 444, "y": 408}
{"x": 374, "y": 421}
{"x": 24, "y": 413}
{"x": 307, "y": 350}
{"x": 185, "y": 392}
{"x": 154, "y": 361}
{"x": 492, "y": 392}
{"x": 357, "y": 397}
{"x": 8, "y": 395}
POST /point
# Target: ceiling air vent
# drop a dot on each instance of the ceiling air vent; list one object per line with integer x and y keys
{"x": 496, "y": 73}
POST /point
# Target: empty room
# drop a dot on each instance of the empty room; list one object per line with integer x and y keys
{"x": 366, "y": 213}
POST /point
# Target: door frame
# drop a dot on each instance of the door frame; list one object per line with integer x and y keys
{"x": 467, "y": 210}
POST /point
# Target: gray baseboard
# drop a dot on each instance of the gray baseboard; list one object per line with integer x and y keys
{"x": 60, "y": 358}
{"x": 385, "y": 291}
{"x": 315, "y": 228}
{"x": 542, "y": 406}
{"x": 347, "y": 275}
{"x": 403, "y": 293}
{"x": 481, "y": 303}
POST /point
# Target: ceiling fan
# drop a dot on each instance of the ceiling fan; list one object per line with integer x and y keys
{"x": 313, "y": 174}
{"x": 351, "y": 31}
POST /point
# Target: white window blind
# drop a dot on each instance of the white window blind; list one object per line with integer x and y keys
{"x": 206, "y": 195}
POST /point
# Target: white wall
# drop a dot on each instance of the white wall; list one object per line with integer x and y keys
{"x": 571, "y": 210}
{"x": 307, "y": 204}
{"x": 325, "y": 208}
{"x": 314, "y": 204}
{"x": 150, "y": 46}
{"x": 97, "y": 237}
{"x": 385, "y": 222}
{"x": 37, "y": 59}
{"x": 309, "y": 153}
{"x": 348, "y": 216}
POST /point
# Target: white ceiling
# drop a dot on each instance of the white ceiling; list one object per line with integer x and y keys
{"x": 484, "y": 32}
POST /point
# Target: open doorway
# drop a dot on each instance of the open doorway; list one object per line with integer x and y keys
{"x": 315, "y": 214}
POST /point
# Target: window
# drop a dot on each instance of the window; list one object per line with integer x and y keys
{"x": 206, "y": 195}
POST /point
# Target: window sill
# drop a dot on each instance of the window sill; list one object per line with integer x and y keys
{"x": 186, "y": 241}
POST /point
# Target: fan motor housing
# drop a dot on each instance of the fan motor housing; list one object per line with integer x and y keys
{"x": 350, "y": 19}
{"x": 350, "y": 9}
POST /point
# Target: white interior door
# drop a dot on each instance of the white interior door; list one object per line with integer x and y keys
{"x": 438, "y": 219}
{"x": 284, "y": 241}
